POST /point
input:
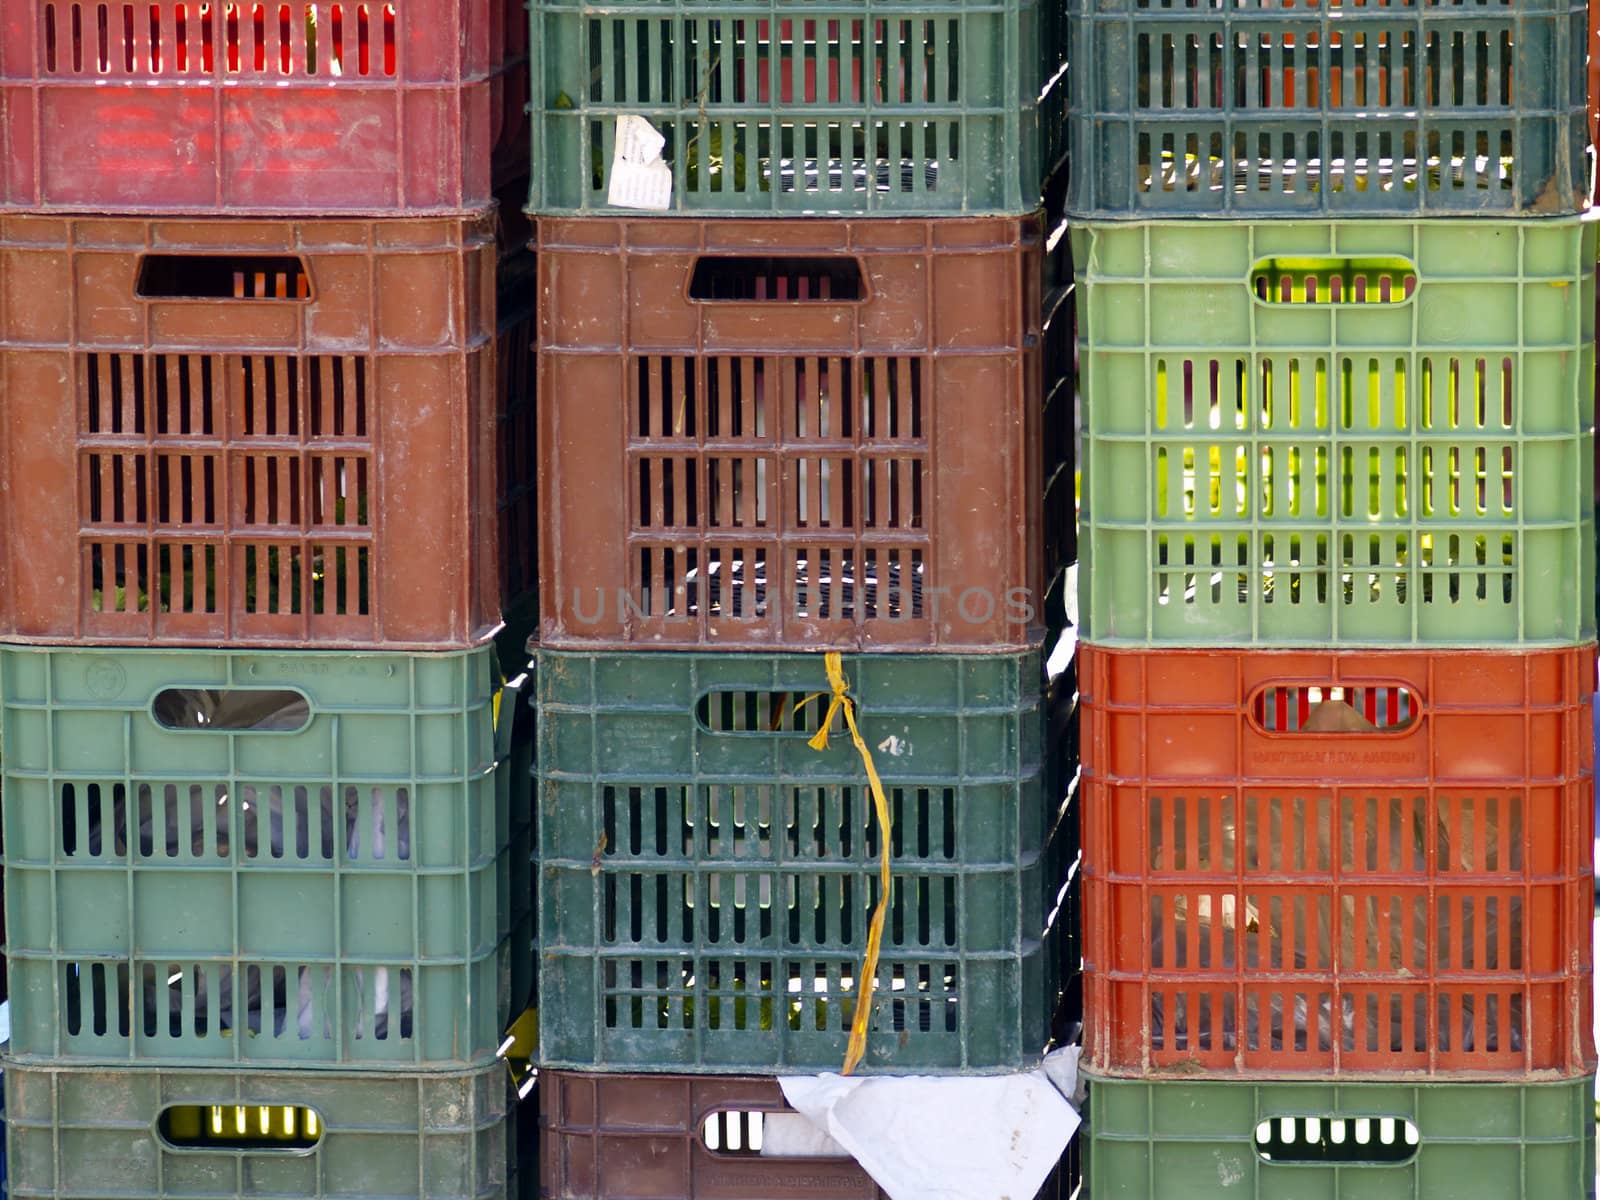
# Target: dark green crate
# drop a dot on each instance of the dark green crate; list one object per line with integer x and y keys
{"x": 195, "y": 896}
{"x": 83, "y": 1134}
{"x": 1473, "y": 1141}
{"x": 657, "y": 829}
{"x": 932, "y": 108}
{"x": 1336, "y": 109}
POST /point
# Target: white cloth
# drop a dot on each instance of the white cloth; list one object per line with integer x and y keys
{"x": 993, "y": 1137}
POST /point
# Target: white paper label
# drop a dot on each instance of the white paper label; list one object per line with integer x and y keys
{"x": 639, "y": 179}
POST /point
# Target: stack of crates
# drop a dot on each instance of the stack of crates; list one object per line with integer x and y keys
{"x": 808, "y": 374}
{"x": 264, "y": 422}
{"x": 1337, "y": 323}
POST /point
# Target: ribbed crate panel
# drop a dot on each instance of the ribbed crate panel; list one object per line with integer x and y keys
{"x": 1149, "y": 1140}
{"x": 1354, "y": 864}
{"x": 1358, "y": 432}
{"x": 1342, "y": 109}
{"x": 257, "y": 433}
{"x": 706, "y": 877}
{"x": 77, "y": 1134}
{"x": 218, "y": 858}
{"x": 776, "y": 107}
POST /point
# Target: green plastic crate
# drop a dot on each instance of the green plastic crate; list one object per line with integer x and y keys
{"x": 79, "y": 1133}
{"x": 706, "y": 877}
{"x": 1339, "y": 463}
{"x": 1344, "y": 109}
{"x": 876, "y": 107}
{"x": 354, "y": 892}
{"x": 1472, "y": 1141}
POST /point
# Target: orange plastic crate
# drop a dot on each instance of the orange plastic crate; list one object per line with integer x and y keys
{"x": 1338, "y": 863}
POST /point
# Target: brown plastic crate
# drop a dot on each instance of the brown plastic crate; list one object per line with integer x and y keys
{"x": 801, "y": 433}
{"x": 611, "y": 1137}
{"x": 265, "y": 433}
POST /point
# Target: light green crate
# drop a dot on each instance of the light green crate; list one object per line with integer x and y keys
{"x": 1473, "y": 1141}
{"x": 1416, "y": 472}
{"x": 77, "y": 1134}
{"x": 207, "y": 897}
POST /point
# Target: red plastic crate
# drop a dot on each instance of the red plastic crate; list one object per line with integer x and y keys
{"x": 1338, "y": 863}
{"x": 809, "y": 434}
{"x": 258, "y": 433}
{"x": 249, "y": 106}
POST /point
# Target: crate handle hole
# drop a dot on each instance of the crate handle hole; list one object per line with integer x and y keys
{"x": 764, "y": 279}
{"x": 1333, "y": 280}
{"x": 1327, "y": 708}
{"x": 736, "y": 1132}
{"x": 222, "y": 277}
{"x": 757, "y": 711}
{"x": 1331, "y": 1139}
{"x": 232, "y": 710}
{"x": 292, "y": 1128}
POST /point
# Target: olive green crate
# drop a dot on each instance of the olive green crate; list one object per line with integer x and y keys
{"x": 706, "y": 876}
{"x": 78, "y": 1133}
{"x": 308, "y": 858}
{"x": 1211, "y": 1140}
{"x": 1370, "y": 432}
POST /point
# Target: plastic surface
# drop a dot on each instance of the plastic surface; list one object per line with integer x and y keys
{"x": 608, "y": 1137}
{"x": 323, "y": 107}
{"x": 333, "y": 887}
{"x": 1594, "y": 71}
{"x": 1343, "y": 109}
{"x": 76, "y": 1134}
{"x": 706, "y": 877}
{"x": 822, "y": 440}
{"x": 1148, "y": 1140}
{"x": 253, "y": 433}
{"x": 1338, "y": 863}
{"x": 782, "y": 108}
{"x": 1402, "y": 455}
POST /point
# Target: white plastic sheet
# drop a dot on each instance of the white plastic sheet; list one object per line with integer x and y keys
{"x": 947, "y": 1138}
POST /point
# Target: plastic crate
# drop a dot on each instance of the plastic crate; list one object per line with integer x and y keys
{"x": 686, "y": 1137}
{"x": 1594, "y": 71}
{"x": 1207, "y": 1140}
{"x": 933, "y": 108}
{"x": 1345, "y": 109}
{"x": 76, "y": 1134}
{"x": 1338, "y": 863}
{"x": 822, "y": 441}
{"x": 405, "y": 107}
{"x": 1359, "y": 432}
{"x": 706, "y": 877}
{"x": 334, "y": 884}
{"x": 253, "y": 433}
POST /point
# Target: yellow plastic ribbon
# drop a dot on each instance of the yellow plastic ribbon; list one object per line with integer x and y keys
{"x": 866, "y": 978}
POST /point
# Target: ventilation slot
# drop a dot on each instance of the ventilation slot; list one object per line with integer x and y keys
{"x": 738, "y": 711}
{"x": 235, "y": 710}
{"x": 734, "y": 1133}
{"x": 1368, "y": 1140}
{"x": 762, "y": 279}
{"x": 1333, "y": 280}
{"x": 220, "y": 277}
{"x": 1329, "y": 708}
{"x": 240, "y": 1127}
